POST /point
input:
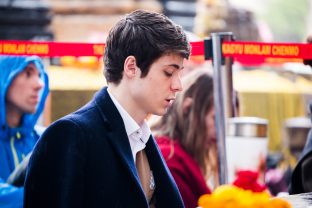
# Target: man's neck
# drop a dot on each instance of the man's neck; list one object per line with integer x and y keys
{"x": 125, "y": 100}
{"x": 13, "y": 117}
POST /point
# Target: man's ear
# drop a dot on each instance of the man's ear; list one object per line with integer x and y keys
{"x": 130, "y": 67}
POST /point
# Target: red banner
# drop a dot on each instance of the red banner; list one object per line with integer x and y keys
{"x": 244, "y": 52}
{"x": 272, "y": 50}
{"x": 253, "y": 53}
{"x": 197, "y": 48}
{"x": 49, "y": 49}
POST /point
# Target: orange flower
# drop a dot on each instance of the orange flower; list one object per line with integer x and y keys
{"x": 278, "y": 203}
{"x": 228, "y": 196}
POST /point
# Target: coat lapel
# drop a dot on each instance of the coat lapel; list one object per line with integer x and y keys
{"x": 117, "y": 133}
{"x": 167, "y": 194}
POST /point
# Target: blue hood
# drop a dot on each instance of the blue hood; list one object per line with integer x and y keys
{"x": 10, "y": 66}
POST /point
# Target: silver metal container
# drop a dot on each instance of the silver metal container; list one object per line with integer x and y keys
{"x": 296, "y": 132}
{"x": 246, "y": 145}
{"x": 247, "y": 127}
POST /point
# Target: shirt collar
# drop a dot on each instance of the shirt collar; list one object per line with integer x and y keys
{"x": 131, "y": 125}
{"x": 144, "y": 132}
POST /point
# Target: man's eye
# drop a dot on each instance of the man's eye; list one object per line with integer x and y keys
{"x": 168, "y": 74}
{"x": 28, "y": 73}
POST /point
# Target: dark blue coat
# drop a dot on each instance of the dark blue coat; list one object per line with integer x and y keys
{"x": 85, "y": 160}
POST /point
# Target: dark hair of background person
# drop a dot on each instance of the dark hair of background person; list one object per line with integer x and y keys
{"x": 188, "y": 125}
{"x": 146, "y": 36}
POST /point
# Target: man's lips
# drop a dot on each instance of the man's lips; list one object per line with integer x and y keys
{"x": 34, "y": 99}
{"x": 170, "y": 101}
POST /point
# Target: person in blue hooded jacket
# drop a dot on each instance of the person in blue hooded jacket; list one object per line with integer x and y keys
{"x": 23, "y": 91}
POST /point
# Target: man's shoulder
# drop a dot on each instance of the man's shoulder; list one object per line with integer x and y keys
{"x": 93, "y": 115}
{"x": 96, "y": 107}
{"x": 83, "y": 117}
{"x": 88, "y": 116}
{"x": 38, "y": 129}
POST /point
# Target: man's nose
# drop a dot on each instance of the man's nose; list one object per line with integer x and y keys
{"x": 176, "y": 84}
{"x": 38, "y": 83}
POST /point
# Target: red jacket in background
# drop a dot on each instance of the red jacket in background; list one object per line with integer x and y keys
{"x": 185, "y": 170}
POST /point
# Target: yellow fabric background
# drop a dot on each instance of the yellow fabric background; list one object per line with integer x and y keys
{"x": 266, "y": 94}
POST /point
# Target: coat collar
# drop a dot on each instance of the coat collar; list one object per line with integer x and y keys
{"x": 117, "y": 134}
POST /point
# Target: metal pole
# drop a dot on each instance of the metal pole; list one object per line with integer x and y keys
{"x": 223, "y": 98}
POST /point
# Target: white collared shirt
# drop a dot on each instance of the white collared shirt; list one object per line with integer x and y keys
{"x": 137, "y": 135}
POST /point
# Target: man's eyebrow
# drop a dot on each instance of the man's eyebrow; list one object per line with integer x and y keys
{"x": 176, "y": 66}
{"x": 30, "y": 67}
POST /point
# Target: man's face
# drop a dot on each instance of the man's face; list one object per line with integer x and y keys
{"x": 22, "y": 95}
{"x": 155, "y": 92}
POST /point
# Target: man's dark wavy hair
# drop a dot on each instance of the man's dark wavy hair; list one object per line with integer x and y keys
{"x": 146, "y": 36}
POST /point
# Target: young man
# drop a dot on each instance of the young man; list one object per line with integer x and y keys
{"x": 23, "y": 91}
{"x": 103, "y": 155}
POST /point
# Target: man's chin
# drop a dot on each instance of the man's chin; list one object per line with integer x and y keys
{"x": 161, "y": 112}
{"x": 31, "y": 111}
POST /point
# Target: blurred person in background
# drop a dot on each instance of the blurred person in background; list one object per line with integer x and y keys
{"x": 301, "y": 179}
{"x": 186, "y": 136}
{"x": 103, "y": 155}
{"x": 24, "y": 89}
